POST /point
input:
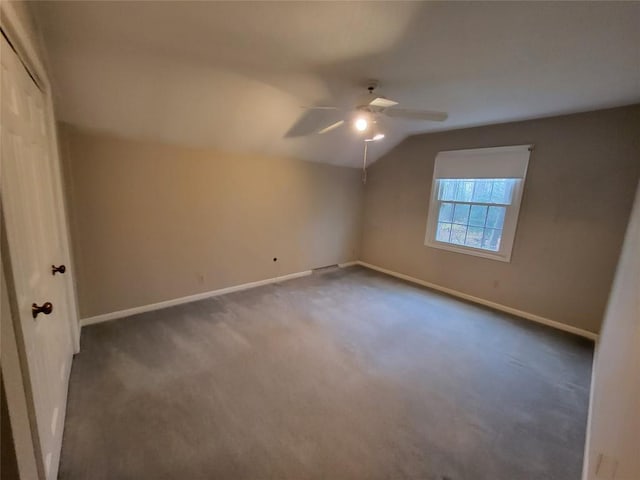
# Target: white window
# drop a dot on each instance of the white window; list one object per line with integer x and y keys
{"x": 475, "y": 200}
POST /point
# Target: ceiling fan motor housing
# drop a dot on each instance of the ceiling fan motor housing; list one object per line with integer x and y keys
{"x": 371, "y": 107}
{"x": 372, "y": 102}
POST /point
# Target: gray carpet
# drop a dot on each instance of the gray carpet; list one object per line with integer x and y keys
{"x": 347, "y": 374}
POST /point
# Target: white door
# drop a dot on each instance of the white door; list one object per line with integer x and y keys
{"x": 35, "y": 245}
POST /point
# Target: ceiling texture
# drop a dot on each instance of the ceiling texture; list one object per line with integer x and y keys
{"x": 234, "y": 76}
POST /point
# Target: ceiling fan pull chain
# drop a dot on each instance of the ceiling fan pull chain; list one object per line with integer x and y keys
{"x": 364, "y": 164}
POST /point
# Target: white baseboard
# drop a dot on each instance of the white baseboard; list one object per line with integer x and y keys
{"x": 487, "y": 303}
{"x": 213, "y": 293}
{"x": 348, "y": 264}
{"x": 191, "y": 298}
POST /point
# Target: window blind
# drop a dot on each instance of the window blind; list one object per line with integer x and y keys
{"x": 499, "y": 162}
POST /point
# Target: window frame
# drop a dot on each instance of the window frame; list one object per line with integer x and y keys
{"x": 512, "y": 212}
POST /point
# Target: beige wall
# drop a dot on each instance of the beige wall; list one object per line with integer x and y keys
{"x": 614, "y": 426}
{"x": 153, "y": 222}
{"x": 577, "y": 198}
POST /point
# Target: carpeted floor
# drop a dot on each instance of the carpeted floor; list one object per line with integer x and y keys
{"x": 346, "y": 374}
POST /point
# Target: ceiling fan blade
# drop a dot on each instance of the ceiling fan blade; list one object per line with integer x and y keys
{"x": 311, "y": 121}
{"x": 416, "y": 114}
{"x": 382, "y": 102}
{"x": 333, "y": 126}
{"x": 319, "y": 107}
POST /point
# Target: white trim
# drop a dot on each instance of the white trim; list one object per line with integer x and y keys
{"x": 497, "y": 162}
{"x": 348, "y": 264}
{"x": 587, "y": 440}
{"x": 190, "y": 298}
{"x": 235, "y": 288}
{"x": 510, "y": 226}
{"x": 452, "y": 247}
{"x": 17, "y": 391}
{"x": 27, "y": 51}
{"x": 487, "y": 303}
{"x": 22, "y": 39}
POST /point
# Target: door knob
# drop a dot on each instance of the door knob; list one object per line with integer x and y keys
{"x": 60, "y": 269}
{"x": 46, "y": 308}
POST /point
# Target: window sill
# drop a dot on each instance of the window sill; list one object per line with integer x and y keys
{"x": 501, "y": 257}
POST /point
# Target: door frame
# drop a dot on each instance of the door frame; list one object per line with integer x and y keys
{"x": 15, "y": 374}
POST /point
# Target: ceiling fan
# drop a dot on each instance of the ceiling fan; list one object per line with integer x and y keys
{"x": 364, "y": 116}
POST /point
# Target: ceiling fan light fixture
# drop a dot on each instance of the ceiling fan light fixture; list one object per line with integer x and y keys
{"x": 361, "y": 124}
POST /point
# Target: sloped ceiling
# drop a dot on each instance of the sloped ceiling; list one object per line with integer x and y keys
{"x": 234, "y": 75}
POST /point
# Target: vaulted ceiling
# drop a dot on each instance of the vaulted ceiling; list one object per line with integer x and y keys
{"x": 234, "y": 75}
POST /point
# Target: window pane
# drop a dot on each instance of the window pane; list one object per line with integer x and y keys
{"x": 474, "y": 237}
{"x": 464, "y": 218}
{"x": 502, "y": 190}
{"x": 509, "y": 186}
{"x": 495, "y": 217}
{"x": 461, "y": 213}
{"x": 491, "y": 239}
{"x": 478, "y": 215}
{"x": 456, "y": 186}
{"x": 458, "y": 232}
{"x": 482, "y": 192}
{"x": 446, "y": 212}
{"x": 443, "y": 233}
{"x": 464, "y": 190}
{"x": 498, "y": 193}
{"x": 447, "y": 189}
{"x": 489, "y": 190}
